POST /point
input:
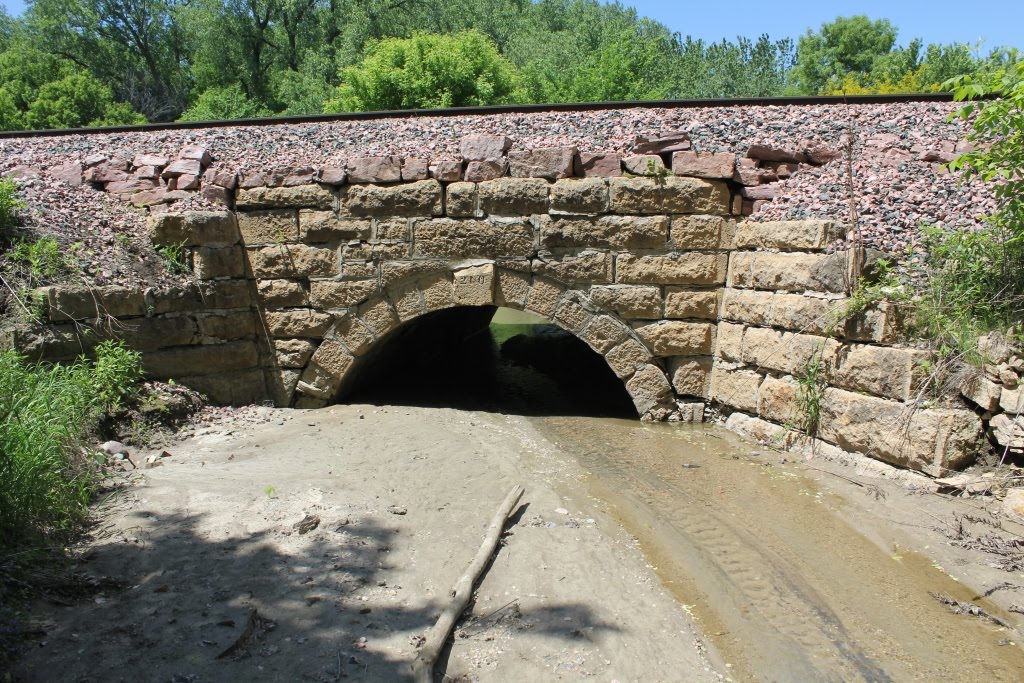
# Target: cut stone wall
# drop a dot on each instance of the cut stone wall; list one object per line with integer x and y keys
{"x": 691, "y": 306}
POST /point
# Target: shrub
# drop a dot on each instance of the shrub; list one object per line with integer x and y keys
{"x": 10, "y": 203}
{"x": 45, "y": 412}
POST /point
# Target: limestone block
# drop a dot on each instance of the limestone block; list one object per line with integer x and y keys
{"x": 788, "y": 352}
{"x": 374, "y": 170}
{"x": 711, "y": 165}
{"x": 438, "y": 292}
{"x": 793, "y": 272}
{"x": 543, "y": 296}
{"x": 446, "y": 237}
{"x": 571, "y": 315}
{"x": 311, "y": 196}
{"x": 683, "y": 268}
{"x": 511, "y": 288}
{"x": 615, "y": 232}
{"x": 354, "y": 270}
{"x": 144, "y": 334}
{"x": 421, "y": 198}
{"x": 580, "y": 196}
{"x": 393, "y": 272}
{"x": 228, "y": 325}
{"x": 815, "y": 315}
{"x": 1011, "y": 400}
{"x": 318, "y": 383}
{"x": 210, "y": 263}
{"x": 786, "y": 235}
{"x": 880, "y": 370}
{"x": 550, "y": 162}
{"x": 747, "y": 306}
{"x": 586, "y": 267}
{"x": 669, "y": 195}
{"x": 301, "y": 322}
{"x": 651, "y": 393}
{"x": 701, "y": 232}
{"x": 225, "y": 294}
{"x": 624, "y": 358}
{"x": 930, "y": 440}
{"x": 392, "y": 229}
{"x": 687, "y": 303}
{"x": 291, "y": 260}
{"x": 193, "y": 229}
{"x": 735, "y": 387}
{"x": 629, "y": 301}
{"x": 293, "y": 353}
{"x": 47, "y": 342}
{"x": 689, "y": 411}
{"x": 982, "y": 391}
{"x": 758, "y": 430}
{"x": 325, "y": 294}
{"x": 364, "y": 252}
{"x": 354, "y": 334}
{"x": 461, "y": 201}
{"x": 281, "y": 293}
{"x": 777, "y": 401}
{"x": 1007, "y": 431}
{"x": 327, "y": 226}
{"x": 729, "y": 338}
{"x": 332, "y": 175}
{"x": 200, "y": 360}
{"x": 483, "y": 147}
{"x": 474, "y": 286}
{"x": 603, "y": 332}
{"x": 238, "y": 388}
{"x": 268, "y": 227}
{"x": 407, "y": 300}
{"x": 378, "y": 316}
{"x": 677, "y": 338}
{"x": 883, "y": 324}
{"x": 690, "y": 375}
{"x": 333, "y": 357}
{"x": 281, "y": 384}
{"x": 598, "y": 164}
{"x": 513, "y": 196}
{"x": 81, "y": 303}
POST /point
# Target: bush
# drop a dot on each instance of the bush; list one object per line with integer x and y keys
{"x": 426, "y": 71}
{"x": 45, "y": 412}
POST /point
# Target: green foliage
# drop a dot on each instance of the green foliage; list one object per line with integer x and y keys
{"x": 10, "y": 204}
{"x": 427, "y": 71}
{"x": 810, "y": 394}
{"x": 224, "y": 102}
{"x": 38, "y": 90}
{"x": 848, "y": 44}
{"x": 45, "y": 480}
{"x": 175, "y": 257}
{"x": 42, "y": 258}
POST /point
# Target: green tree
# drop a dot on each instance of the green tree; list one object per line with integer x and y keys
{"x": 425, "y": 71}
{"x": 848, "y": 44}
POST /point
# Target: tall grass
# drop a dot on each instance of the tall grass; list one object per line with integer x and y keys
{"x": 46, "y": 479}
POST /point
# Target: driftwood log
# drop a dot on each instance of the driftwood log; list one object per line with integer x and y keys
{"x": 423, "y": 666}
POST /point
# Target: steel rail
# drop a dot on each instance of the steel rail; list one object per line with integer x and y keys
{"x": 484, "y": 111}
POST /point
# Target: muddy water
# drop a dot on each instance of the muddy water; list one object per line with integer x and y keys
{"x": 781, "y": 586}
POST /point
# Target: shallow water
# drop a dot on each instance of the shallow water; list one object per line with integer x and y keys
{"x": 783, "y": 588}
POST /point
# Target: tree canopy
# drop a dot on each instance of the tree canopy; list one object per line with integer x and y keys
{"x": 88, "y": 62}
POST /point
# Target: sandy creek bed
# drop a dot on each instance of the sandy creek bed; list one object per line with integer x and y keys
{"x": 624, "y": 565}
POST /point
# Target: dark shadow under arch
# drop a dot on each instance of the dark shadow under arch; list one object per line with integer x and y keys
{"x": 449, "y": 358}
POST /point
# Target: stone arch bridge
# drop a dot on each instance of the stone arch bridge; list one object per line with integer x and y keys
{"x": 689, "y": 304}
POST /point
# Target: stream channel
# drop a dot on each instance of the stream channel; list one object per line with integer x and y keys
{"x": 786, "y": 580}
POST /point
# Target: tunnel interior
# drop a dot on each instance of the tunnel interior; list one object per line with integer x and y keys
{"x": 491, "y": 359}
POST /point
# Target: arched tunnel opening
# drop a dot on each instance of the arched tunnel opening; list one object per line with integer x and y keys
{"x": 487, "y": 358}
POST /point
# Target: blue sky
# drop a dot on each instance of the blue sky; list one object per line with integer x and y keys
{"x": 998, "y": 22}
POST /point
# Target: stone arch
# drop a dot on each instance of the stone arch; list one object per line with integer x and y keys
{"x": 414, "y": 290}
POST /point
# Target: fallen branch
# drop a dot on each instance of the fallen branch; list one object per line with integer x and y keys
{"x": 423, "y": 666}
